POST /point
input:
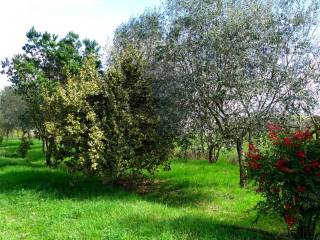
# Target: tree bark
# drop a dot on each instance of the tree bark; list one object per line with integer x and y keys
{"x": 43, "y": 146}
{"x": 48, "y": 152}
{"x": 242, "y": 167}
{"x": 213, "y": 153}
{"x": 210, "y": 155}
{"x": 202, "y": 142}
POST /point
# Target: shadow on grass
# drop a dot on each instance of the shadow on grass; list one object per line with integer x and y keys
{"x": 174, "y": 193}
{"x": 58, "y": 184}
{"x": 8, "y": 161}
{"x": 9, "y": 149}
{"x": 35, "y": 154}
{"x": 55, "y": 184}
{"x": 10, "y": 143}
{"x": 199, "y": 227}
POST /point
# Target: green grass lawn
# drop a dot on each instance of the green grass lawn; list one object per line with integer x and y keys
{"x": 194, "y": 200}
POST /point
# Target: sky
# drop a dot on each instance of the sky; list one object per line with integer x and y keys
{"x": 94, "y": 19}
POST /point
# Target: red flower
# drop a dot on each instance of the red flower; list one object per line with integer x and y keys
{"x": 318, "y": 174}
{"x": 290, "y": 220}
{"x": 252, "y": 147}
{"x": 273, "y": 136}
{"x": 253, "y": 156}
{"x": 281, "y": 163}
{"x": 287, "y": 141}
{"x": 301, "y": 189}
{"x": 307, "y": 169}
{"x": 282, "y": 166}
{"x": 300, "y": 135}
{"x": 254, "y": 165}
{"x": 288, "y": 206}
{"x": 285, "y": 169}
{"x": 274, "y": 127}
{"x": 301, "y": 154}
{"x": 307, "y": 134}
{"x": 315, "y": 164}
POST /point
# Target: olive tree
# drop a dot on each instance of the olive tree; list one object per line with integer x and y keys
{"x": 13, "y": 112}
{"x": 243, "y": 62}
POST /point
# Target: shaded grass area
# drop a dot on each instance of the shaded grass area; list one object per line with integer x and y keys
{"x": 193, "y": 201}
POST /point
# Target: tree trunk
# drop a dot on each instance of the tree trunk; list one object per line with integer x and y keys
{"x": 43, "y": 146}
{"x": 202, "y": 142}
{"x": 210, "y": 153}
{"x": 242, "y": 168}
{"x": 217, "y": 153}
{"x": 213, "y": 153}
{"x": 48, "y": 152}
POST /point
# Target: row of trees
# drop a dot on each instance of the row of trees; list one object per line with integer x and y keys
{"x": 215, "y": 70}
{"x": 96, "y": 121}
{"x": 225, "y": 68}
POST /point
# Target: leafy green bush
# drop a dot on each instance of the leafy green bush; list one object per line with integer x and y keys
{"x": 109, "y": 126}
{"x": 288, "y": 176}
{"x": 24, "y": 146}
{"x": 1, "y": 139}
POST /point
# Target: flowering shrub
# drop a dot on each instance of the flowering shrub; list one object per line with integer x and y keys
{"x": 288, "y": 176}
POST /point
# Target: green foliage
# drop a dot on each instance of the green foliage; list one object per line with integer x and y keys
{"x": 24, "y": 146}
{"x": 108, "y": 127}
{"x": 74, "y": 128}
{"x": 232, "y": 66}
{"x": 13, "y": 112}
{"x": 46, "y": 63}
{"x": 1, "y": 139}
{"x": 147, "y": 148}
{"x": 288, "y": 176}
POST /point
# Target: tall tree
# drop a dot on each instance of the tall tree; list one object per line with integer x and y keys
{"x": 45, "y": 63}
{"x": 241, "y": 62}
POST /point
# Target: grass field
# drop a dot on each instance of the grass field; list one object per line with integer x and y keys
{"x": 194, "y": 200}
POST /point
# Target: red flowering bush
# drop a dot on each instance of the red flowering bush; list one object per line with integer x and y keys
{"x": 288, "y": 176}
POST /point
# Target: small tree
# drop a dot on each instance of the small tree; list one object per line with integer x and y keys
{"x": 24, "y": 146}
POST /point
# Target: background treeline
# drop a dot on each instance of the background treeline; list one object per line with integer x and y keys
{"x": 210, "y": 73}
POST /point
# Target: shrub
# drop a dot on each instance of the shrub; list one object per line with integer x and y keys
{"x": 107, "y": 127}
{"x": 288, "y": 176}
{"x": 24, "y": 146}
{"x": 1, "y": 139}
